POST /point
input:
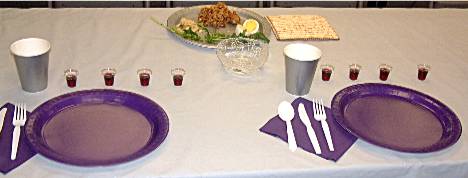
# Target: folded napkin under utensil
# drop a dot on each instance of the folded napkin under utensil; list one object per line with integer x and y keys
{"x": 342, "y": 139}
{"x": 24, "y": 152}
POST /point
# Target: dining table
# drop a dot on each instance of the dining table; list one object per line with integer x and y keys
{"x": 215, "y": 117}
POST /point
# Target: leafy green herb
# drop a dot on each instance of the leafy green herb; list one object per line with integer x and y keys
{"x": 212, "y": 38}
{"x": 215, "y": 38}
{"x": 191, "y": 35}
{"x": 260, "y": 36}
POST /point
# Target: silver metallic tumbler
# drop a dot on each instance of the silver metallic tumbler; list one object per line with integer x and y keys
{"x": 301, "y": 61}
{"x": 32, "y": 60}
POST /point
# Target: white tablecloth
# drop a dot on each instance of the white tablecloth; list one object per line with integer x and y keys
{"x": 215, "y": 117}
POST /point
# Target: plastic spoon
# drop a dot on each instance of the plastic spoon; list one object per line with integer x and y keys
{"x": 286, "y": 113}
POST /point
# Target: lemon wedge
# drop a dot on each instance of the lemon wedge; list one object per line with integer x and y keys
{"x": 250, "y": 26}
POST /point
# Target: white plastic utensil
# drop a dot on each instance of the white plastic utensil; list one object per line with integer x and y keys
{"x": 2, "y": 118}
{"x": 286, "y": 113}
{"x": 19, "y": 119}
{"x": 310, "y": 131}
{"x": 320, "y": 115}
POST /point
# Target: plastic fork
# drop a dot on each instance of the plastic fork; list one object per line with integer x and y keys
{"x": 19, "y": 119}
{"x": 321, "y": 116}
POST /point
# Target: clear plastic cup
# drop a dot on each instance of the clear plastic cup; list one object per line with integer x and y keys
{"x": 354, "y": 70}
{"x": 384, "y": 71}
{"x": 327, "y": 71}
{"x": 71, "y": 76}
{"x": 145, "y": 75}
{"x": 178, "y": 76}
{"x": 423, "y": 70}
{"x": 109, "y": 75}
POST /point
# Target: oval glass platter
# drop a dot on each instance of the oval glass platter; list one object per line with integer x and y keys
{"x": 396, "y": 118}
{"x": 192, "y": 14}
{"x": 97, "y": 127}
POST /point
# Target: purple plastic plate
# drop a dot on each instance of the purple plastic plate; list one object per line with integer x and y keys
{"x": 396, "y": 118}
{"x": 97, "y": 127}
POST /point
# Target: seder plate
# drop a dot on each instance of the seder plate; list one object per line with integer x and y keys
{"x": 192, "y": 13}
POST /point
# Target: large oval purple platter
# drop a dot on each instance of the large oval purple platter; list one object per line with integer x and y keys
{"x": 396, "y": 118}
{"x": 99, "y": 127}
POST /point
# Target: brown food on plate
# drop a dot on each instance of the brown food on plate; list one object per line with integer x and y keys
{"x": 218, "y": 16}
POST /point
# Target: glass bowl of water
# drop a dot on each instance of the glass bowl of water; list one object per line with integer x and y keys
{"x": 242, "y": 56}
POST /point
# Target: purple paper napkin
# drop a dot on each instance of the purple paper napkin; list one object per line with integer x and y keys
{"x": 24, "y": 152}
{"x": 342, "y": 140}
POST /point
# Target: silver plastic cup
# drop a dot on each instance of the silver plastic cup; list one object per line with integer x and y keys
{"x": 32, "y": 60}
{"x": 301, "y": 61}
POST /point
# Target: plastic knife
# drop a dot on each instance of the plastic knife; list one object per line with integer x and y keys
{"x": 310, "y": 131}
{"x": 2, "y": 118}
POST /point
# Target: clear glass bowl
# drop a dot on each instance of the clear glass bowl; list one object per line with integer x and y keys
{"x": 242, "y": 56}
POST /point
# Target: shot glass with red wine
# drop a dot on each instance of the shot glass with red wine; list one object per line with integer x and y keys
{"x": 384, "y": 71}
{"x": 71, "y": 76}
{"x": 354, "y": 70}
{"x": 178, "y": 76}
{"x": 109, "y": 75}
{"x": 423, "y": 70}
{"x": 145, "y": 76}
{"x": 327, "y": 71}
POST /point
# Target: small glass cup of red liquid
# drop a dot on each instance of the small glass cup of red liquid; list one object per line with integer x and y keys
{"x": 71, "y": 75}
{"x": 354, "y": 71}
{"x": 327, "y": 71}
{"x": 423, "y": 69}
{"x": 109, "y": 75}
{"x": 144, "y": 75}
{"x": 384, "y": 70}
{"x": 178, "y": 76}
